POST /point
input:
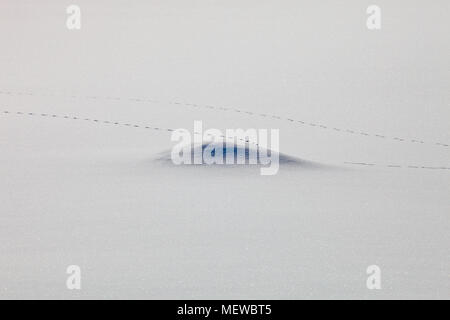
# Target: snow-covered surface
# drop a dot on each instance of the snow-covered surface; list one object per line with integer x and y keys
{"x": 90, "y": 193}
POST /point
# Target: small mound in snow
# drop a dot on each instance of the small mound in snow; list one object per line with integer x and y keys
{"x": 242, "y": 155}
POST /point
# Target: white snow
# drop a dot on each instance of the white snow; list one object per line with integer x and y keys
{"x": 90, "y": 193}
